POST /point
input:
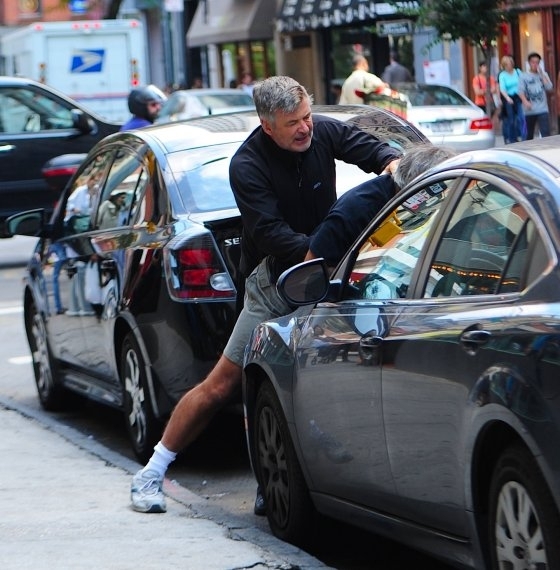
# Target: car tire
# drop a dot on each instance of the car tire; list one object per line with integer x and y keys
{"x": 289, "y": 509}
{"x": 524, "y": 522}
{"x": 52, "y": 395}
{"x": 142, "y": 427}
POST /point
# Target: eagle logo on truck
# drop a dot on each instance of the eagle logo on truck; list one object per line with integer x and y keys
{"x": 87, "y": 61}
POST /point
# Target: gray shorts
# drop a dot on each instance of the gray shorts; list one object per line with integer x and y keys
{"x": 261, "y": 303}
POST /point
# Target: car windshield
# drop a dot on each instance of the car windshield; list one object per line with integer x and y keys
{"x": 222, "y": 100}
{"x": 432, "y": 95}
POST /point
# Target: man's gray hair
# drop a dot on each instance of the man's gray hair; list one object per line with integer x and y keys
{"x": 278, "y": 93}
{"x": 417, "y": 160}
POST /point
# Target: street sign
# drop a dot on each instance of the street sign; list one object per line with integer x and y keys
{"x": 394, "y": 28}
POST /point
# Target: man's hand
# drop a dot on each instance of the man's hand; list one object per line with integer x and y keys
{"x": 391, "y": 167}
{"x": 309, "y": 255}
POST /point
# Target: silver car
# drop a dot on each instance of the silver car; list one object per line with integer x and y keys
{"x": 415, "y": 391}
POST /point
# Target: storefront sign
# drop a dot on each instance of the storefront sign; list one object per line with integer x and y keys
{"x": 300, "y": 15}
{"x": 395, "y": 28}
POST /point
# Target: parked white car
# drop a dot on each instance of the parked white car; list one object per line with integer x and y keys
{"x": 447, "y": 117}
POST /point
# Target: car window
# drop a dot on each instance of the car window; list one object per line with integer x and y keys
{"x": 125, "y": 183}
{"x": 386, "y": 260}
{"x": 490, "y": 245}
{"x": 24, "y": 110}
{"x": 223, "y": 100}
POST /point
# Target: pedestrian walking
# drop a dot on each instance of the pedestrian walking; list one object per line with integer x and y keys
{"x": 396, "y": 72}
{"x": 484, "y": 97}
{"x": 534, "y": 84}
{"x": 513, "y": 118}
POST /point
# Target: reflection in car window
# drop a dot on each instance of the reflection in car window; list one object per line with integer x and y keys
{"x": 485, "y": 246}
{"x": 24, "y": 111}
{"x": 83, "y": 196}
{"x": 386, "y": 261}
{"x": 125, "y": 182}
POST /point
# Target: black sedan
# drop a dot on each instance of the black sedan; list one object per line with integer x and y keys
{"x": 38, "y": 123}
{"x": 130, "y": 295}
{"x": 415, "y": 391}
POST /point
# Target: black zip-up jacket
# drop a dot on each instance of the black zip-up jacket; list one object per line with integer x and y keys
{"x": 349, "y": 216}
{"x": 284, "y": 195}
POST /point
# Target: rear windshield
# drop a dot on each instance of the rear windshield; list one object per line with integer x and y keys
{"x": 202, "y": 176}
{"x": 431, "y": 95}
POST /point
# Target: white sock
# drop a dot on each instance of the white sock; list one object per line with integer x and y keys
{"x": 160, "y": 460}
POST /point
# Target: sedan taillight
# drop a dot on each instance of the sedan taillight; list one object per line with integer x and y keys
{"x": 195, "y": 270}
{"x": 483, "y": 124}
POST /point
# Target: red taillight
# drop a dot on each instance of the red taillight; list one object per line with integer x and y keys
{"x": 202, "y": 257}
{"x": 61, "y": 171}
{"x": 483, "y": 124}
{"x": 197, "y": 277}
{"x": 195, "y": 270}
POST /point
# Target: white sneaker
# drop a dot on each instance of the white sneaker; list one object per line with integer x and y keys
{"x": 146, "y": 493}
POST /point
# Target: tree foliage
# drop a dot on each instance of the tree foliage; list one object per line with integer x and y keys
{"x": 475, "y": 21}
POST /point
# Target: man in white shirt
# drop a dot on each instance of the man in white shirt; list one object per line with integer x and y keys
{"x": 360, "y": 79}
{"x": 82, "y": 200}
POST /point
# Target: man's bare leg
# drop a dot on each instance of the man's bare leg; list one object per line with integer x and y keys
{"x": 191, "y": 415}
{"x": 197, "y": 407}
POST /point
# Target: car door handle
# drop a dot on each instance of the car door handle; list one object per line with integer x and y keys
{"x": 7, "y": 147}
{"x": 472, "y": 340}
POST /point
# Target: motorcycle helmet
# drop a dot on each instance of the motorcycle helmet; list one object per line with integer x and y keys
{"x": 140, "y": 97}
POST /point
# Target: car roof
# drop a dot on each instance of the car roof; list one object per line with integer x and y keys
{"x": 231, "y": 127}
{"x": 208, "y": 91}
{"x": 546, "y": 149}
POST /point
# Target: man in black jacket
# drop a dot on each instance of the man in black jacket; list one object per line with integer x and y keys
{"x": 283, "y": 179}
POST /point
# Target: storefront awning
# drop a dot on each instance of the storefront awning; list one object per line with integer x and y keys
{"x": 301, "y": 15}
{"x": 224, "y": 21}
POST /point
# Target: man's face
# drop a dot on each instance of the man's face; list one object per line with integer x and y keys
{"x": 154, "y": 108}
{"x": 534, "y": 64}
{"x": 291, "y": 131}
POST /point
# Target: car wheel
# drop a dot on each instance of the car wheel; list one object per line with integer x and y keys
{"x": 524, "y": 523}
{"x": 52, "y": 395}
{"x": 143, "y": 429}
{"x": 288, "y": 507}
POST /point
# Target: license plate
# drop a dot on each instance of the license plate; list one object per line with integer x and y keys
{"x": 441, "y": 127}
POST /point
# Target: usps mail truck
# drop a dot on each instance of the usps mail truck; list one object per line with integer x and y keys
{"x": 95, "y": 62}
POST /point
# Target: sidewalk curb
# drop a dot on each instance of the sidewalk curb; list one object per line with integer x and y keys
{"x": 284, "y": 556}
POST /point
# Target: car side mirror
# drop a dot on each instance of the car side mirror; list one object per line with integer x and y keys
{"x": 83, "y": 122}
{"x": 30, "y": 223}
{"x": 304, "y": 284}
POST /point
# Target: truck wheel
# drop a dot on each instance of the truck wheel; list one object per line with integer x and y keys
{"x": 52, "y": 395}
{"x": 524, "y": 522}
{"x": 288, "y": 506}
{"x": 143, "y": 428}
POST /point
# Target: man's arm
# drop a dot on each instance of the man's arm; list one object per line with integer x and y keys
{"x": 348, "y": 218}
